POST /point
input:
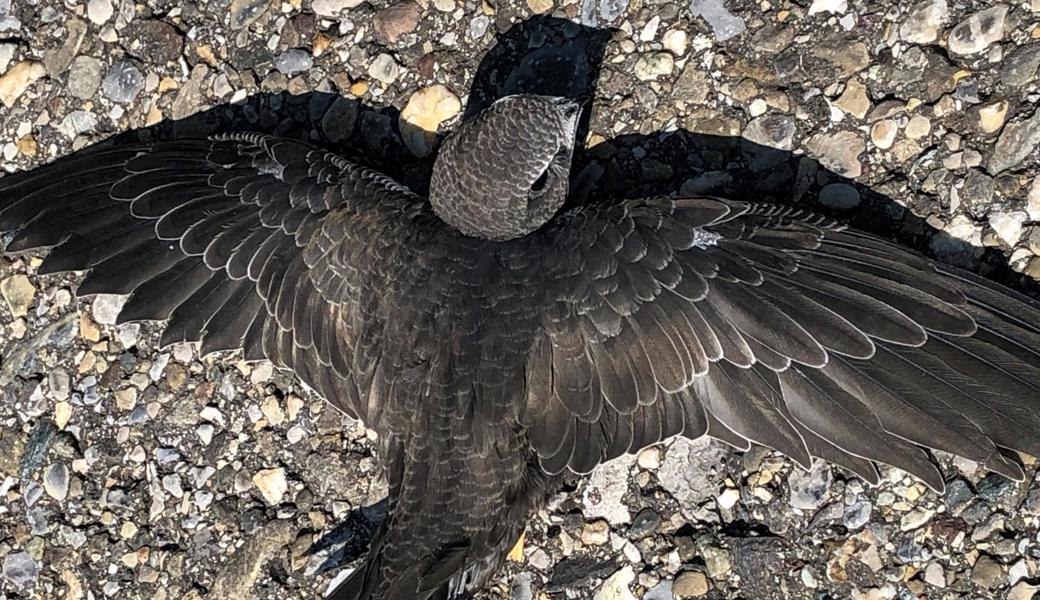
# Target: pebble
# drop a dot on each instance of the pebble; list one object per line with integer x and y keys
{"x": 421, "y": 119}
{"x": 539, "y": 7}
{"x": 690, "y": 471}
{"x": 99, "y": 11}
{"x": 839, "y": 196}
{"x": 1008, "y": 225}
{"x": 240, "y": 572}
{"x": 649, "y": 458}
{"x": 17, "y": 79}
{"x": 883, "y": 133}
{"x": 616, "y": 587}
{"x": 829, "y": 6}
{"x": 1015, "y": 143}
{"x": 85, "y": 76}
{"x": 123, "y": 82}
{"x": 773, "y": 131}
{"x": 675, "y": 41}
{"x": 153, "y": 41}
{"x": 244, "y": 13}
{"x": 62, "y": 414}
{"x": 605, "y": 490}
{"x": 809, "y": 490}
{"x": 334, "y": 8}
{"x": 78, "y": 122}
{"x": 58, "y": 59}
{"x": 991, "y": 116}
{"x": 918, "y": 127}
{"x": 384, "y": 68}
{"x": 717, "y": 562}
{"x": 924, "y": 21}
{"x": 728, "y": 498}
{"x": 652, "y": 65}
{"x": 20, "y": 569}
{"x": 395, "y": 21}
{"x": 854, "y": 99}
{"x": 56, "y": 481}
{"x": 272, "y": 484}
{"x": 105, "y": 308}
{"x": 1023, "y": 591}
{"x": 19, "y": 293}
{"x": 975, "y": 33}
{"x": 915, "y": 518}
{"x": 1020, "y": 66}
{"x": 723, "y": 23}
{"x": 934, "y": 575}
{"x": 690, "y": 584}
{"x": 1033, "y": 200}
{"x": 838, "y": 152}
{"x": 595, "y": 533}
{"x": 857, "y": 514}
{"x": 293, "y": 61}
{"x": 272, "y": 411}
{"x": 987, "y": 573}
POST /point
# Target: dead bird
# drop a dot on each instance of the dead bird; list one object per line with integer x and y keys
{"x": 496, "y": 343}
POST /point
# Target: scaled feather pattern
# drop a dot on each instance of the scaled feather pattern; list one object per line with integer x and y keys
{"x": 491, "y": 367}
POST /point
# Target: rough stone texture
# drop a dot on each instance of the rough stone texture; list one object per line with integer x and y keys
{"x": 127, "y": 471}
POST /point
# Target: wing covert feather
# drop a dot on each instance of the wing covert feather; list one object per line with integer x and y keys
{"x": 782, "y": 327}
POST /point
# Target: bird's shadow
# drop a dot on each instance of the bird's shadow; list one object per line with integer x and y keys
{"x": 555, "y": 56}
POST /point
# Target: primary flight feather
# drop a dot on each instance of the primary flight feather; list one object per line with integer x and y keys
{"x": 495, "y": 345}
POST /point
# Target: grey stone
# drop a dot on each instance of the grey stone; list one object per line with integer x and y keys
{"x": 987, "y": 573}
{"x": 1020, "y": 65}
{"x": 690, "y": 471}
{"x": 123, "y": 82}
{"x": 334, "y": 8}
{"x": 85, "y": 77}
{"x": 857, "y": 514}
{"x": 975, "y": 33}
{"x": 809, "y": 489}
{"x": 772, "y": 131}
{"x": 724, "y": 24}
{"x": 384, "y": 68}
{"x": 8, "y": 22}
{"x": 839, "y": 152}
{"x": 924, "y": 21}
{"x": 153, "y": 41}
{"x": 293, "y": 61}
{"x": 840, "y": 196}
{"x": 56, "y": 481}
{"x": 77, "y": 122}
{"x": 1016, "y": 142}
{"x": 340, "y": 119}
{"x": 603, "y": 497}
{"x": 602, "y": 12}
{"x": 520, "y": 588}
{"x": 20, "y": 569}
{"x": 244, "y": 12}
{"x": 58, "y": 59}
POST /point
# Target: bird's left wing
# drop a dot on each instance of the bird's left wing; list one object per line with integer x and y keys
{"x": 240, "y": 241}
{"x": 759, "y": 323}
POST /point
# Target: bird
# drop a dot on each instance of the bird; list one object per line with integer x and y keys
{"x": 499, "y": 341}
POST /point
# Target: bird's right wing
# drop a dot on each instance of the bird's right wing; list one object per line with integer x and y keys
{"x": 243, "y": 241}
{"x": 760, "y": 323}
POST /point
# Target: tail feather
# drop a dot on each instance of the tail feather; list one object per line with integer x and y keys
{"x": 454, "y": 518}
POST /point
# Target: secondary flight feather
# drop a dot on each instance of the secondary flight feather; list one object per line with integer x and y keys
{"x": 496, "y": 343}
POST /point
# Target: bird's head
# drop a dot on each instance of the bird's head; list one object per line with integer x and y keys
{"x": 504, "y": 173}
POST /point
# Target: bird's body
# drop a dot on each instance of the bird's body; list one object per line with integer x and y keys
{"x": 494, "y": 350}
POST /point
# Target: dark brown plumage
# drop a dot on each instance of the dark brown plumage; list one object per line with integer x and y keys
{"x": 493, "y": 359}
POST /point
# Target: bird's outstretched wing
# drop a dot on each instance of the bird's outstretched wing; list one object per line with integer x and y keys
{"x": 759, "y": 323}
{"x": 241, "y": 241}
